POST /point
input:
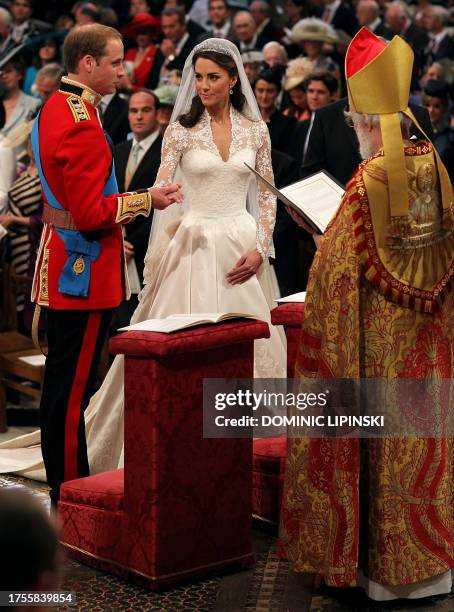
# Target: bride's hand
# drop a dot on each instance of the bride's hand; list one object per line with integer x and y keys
{"x": 244, "y": 268}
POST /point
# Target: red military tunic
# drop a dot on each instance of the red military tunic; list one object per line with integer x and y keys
{"x": 76, "y": 161}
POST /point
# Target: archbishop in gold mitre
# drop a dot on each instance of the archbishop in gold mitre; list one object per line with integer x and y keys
{"x": 379, "y": 512}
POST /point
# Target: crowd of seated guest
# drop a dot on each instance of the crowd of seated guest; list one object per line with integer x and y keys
{"x": 292, "y": 51}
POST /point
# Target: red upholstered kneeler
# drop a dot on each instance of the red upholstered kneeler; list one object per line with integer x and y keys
{"x": 270, "y": 454}
{"x": 182, "y": 506}
{"x": 268, "y": 469}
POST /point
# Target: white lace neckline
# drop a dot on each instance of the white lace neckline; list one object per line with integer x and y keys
{"x": 208, "y": 133}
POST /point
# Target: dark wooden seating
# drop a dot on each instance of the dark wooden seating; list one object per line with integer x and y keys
{"x": 16, "y": 374}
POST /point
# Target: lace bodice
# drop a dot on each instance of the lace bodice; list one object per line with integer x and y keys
{"x": 213, "y": 187}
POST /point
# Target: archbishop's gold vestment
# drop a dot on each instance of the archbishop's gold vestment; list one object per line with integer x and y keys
{"x": 379, "y": 304}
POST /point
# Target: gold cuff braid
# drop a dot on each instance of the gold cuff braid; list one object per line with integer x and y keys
{"x": 133, "y": 204}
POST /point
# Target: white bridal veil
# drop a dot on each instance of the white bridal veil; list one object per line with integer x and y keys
{"x": 165, "y": 222}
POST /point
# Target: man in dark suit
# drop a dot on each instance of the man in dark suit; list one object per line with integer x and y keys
{"x": 246, "y": 32}
{"x": 221, "y": 21}
{"x": 174, "y": 48}
{"x": 320, "y": 90}
{"x": 368, "y": 15}
{"x": 261, "y": 11}
{"x": 398, "y": 21}
{"x": 340, "y": 16}
{"x": 23, "y": 26}
{"x": 136, "y": 165}
{"x": 441, "y": 44}
{"x": 333, "y": 146}
{"x": 114, "y": 117}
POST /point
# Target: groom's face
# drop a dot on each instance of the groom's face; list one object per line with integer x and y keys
{"x": 212, "y": 82}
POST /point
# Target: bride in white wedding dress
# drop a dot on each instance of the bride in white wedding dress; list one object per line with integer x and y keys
{"x": 209, "y": 254}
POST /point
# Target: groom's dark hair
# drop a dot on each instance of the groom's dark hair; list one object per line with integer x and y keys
{"x": 237, "y": 98}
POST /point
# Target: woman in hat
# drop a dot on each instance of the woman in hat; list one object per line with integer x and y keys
{"x": 295, "y": 75}
{"x": 311, "y": 34}
{"x": 145, "y": 28}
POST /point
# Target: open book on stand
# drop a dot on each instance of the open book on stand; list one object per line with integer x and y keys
{"x": 182, "y": 321}
{"x": 315, "y": 199}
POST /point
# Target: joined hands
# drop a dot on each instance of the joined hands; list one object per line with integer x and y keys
{"x": 165, "y": 196}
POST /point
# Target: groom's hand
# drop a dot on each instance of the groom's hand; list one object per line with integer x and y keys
{"x": 165, "y": 196}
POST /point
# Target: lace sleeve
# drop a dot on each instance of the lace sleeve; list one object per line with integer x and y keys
{"x": 173, "y": 146}
{"x": 265, "y": 199}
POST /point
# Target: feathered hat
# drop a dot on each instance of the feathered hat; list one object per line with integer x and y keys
{"x": 297, "y": 70}
{"x": 312, "y": 29}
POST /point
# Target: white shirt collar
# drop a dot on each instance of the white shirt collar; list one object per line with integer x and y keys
{"x": 250, "y": 46}
{"x": 262, "y": 26}
{"x": 146, "y": 143}
{"x": 22, "y": 27}
{"x": 439, "y": 37}
{"x": 374, "y": 24}
{"x": 106, "y": 100}
{"x": 224, "y": 30}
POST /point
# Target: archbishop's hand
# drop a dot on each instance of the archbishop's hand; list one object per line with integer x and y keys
{"x": 165, "y": 196}
{"x": 244, "y": 268}
{"x": 299, "y": 221}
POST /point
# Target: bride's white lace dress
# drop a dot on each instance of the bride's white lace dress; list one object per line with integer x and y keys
{"x": 186, "y": 272}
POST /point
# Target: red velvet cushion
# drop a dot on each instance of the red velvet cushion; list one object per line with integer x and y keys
{"x": 104, "y": 490}
{"x": 290, "y": 314}
{"x": 201, "y": 338}
{"x": 269, "y": 455}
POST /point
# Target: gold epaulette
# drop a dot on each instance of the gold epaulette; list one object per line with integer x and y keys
{"x": 78, "y": 108}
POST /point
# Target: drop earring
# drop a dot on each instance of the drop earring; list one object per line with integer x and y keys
{"x": 231, "y": 91}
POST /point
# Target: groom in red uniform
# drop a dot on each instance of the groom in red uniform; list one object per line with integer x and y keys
{"x": 80, "y": 273}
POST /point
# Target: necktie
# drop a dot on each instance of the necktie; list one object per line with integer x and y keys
{"x": 132, "y": 163}
{"x": 431, "y": 46}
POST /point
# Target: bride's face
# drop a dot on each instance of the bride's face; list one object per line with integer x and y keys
{"x": 212, "y": 82}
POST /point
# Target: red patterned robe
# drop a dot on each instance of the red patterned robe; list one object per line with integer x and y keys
{"x": 382, "y": 505}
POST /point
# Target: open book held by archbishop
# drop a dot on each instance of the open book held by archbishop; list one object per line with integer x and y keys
{"x": 315, "y": 198}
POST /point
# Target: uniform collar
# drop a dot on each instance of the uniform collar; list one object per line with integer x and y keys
{"x": 84, "y": 92}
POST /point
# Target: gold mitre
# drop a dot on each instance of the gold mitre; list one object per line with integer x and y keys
{"x": 378, "y": 74}
{"x": 378, "y": 78}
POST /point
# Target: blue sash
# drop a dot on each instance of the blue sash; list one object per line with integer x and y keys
{"x": 75, "y": 277}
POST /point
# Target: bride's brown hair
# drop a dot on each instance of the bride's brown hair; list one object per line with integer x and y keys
{"x": 237, "y": 98}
